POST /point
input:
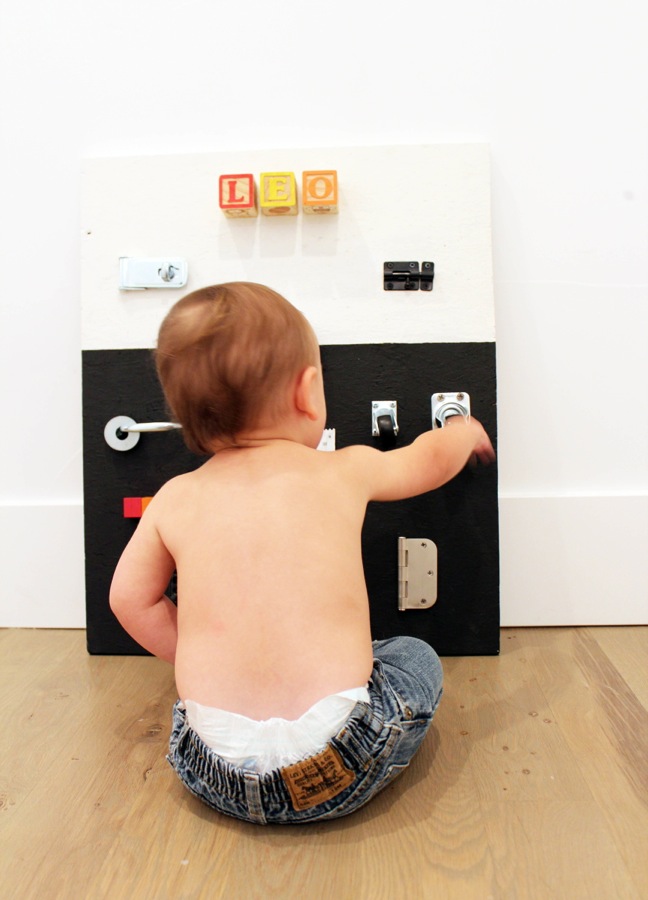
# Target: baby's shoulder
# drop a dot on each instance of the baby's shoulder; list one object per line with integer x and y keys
{"x": 173, "y": 490}
{"x": 354, "y": 463}
{"x": 355, "y": 456}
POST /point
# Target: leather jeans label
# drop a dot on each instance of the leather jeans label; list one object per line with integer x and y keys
{"x": 317, "y": 779}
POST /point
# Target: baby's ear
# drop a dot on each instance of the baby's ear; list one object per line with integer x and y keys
{"x": 306, "y": 393}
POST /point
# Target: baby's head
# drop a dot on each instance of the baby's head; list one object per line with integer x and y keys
{"x": 226, "y": 357}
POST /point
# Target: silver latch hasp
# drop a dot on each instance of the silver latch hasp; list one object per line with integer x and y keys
{"x": 140, "y": 274}
{"x": 417, "y": 573}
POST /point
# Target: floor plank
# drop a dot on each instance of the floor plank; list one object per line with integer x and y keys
{"x": 627, "y": 650}
{"x": 561, "y": 849}
{"x": 516, "y": 750}
{"x": 531, "y": 784}
{"x": 36, "y": 672}
{"x": 99, "y": 733}
{"x": 606, "y": 728}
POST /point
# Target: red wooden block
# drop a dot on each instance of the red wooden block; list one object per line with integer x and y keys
{"x": 132, "y": 507}
{"x": 236, "y": 196}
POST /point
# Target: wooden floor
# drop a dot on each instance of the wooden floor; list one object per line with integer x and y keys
{"x": 533, "y": 783}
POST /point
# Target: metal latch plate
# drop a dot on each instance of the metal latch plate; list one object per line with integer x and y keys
{"x": 139, "y": 274}
{"x": 417, "y": 573}
{"x": 408, "y": 276}
{"x": 401, "y": 276}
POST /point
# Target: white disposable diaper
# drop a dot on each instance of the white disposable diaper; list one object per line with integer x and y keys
{"x": 262, "y": 746}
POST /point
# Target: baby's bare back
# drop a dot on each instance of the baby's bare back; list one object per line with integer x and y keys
{"x": 272, "y": 605}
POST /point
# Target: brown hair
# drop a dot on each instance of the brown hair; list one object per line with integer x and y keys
{"x": 225, "y": 356}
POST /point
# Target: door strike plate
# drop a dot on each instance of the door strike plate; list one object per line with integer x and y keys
{"x": 417, "y": 573}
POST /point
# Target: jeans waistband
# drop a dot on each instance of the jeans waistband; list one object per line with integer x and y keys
{"x": 356, "y": 742}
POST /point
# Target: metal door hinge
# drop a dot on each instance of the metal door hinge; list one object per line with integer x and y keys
{"x": 417, "y": 573}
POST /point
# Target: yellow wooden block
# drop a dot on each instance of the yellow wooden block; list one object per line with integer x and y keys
{"x": 320, "y": 192}
{"x": 236, "y": 196}
{"x": 278, "y": 194}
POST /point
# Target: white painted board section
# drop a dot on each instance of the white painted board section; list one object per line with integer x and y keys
{"x": 421, "y": 203}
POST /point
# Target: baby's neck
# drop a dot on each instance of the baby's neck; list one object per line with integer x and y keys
{"x": 265, "y": 437}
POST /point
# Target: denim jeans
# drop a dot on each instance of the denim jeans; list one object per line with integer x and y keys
{"x": 376, "y": 743}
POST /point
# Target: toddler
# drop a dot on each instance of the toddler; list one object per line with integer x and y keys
{"x": 287, "y": 712}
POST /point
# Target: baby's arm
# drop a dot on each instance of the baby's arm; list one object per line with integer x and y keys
{"x": 430, "y": 461}
{"x": 137, "y": 591}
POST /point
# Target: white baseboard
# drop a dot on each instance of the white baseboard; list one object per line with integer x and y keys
{"x": 42, "y": 566}
{"x": 564, "y": 561}
{"x": 574, "y": 560}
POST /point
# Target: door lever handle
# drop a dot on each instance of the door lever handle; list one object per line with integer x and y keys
{"x": 123, "y": 433}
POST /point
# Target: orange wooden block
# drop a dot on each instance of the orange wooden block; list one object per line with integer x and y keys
{"x": 236, "y": 196}
{"x": 320, "y": 192}
{"x": 278, "y": 194}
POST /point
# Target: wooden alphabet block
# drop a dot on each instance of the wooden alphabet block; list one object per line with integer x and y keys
{"x": 236, "y": 196}
{"x": 134, "y": 506}
{"x": 278, "y": 194}
{"x": 320, "y": 192}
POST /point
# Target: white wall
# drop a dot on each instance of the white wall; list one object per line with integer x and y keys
{"x": 559, "y": 92}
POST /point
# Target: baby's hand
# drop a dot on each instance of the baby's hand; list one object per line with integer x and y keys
{"x": 483, "y": 452}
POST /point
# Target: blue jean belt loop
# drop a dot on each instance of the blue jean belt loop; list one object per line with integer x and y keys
{"x": 253, "y": 798}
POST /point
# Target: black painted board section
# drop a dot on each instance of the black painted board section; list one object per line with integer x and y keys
{"x": 119, "y": 382}
{"x": 461, "y": 517}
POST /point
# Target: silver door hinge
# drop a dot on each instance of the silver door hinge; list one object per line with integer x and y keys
{"x": 417, "y": 573}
